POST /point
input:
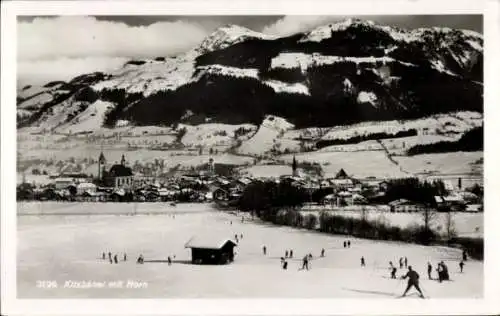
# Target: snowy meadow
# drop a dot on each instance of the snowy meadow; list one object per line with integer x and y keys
{"x": 62, "y": 244}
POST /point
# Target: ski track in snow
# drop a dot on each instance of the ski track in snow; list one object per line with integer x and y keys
{"x": 42, "y": 256}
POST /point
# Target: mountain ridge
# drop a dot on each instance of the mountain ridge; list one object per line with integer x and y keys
{"x": 237, "y": 76}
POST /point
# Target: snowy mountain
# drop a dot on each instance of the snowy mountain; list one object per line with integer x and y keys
{"x": 229, "y": 35}
{"x": 343, "y": 73}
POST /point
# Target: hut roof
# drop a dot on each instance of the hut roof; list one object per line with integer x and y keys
{"x": 208, "y": 242}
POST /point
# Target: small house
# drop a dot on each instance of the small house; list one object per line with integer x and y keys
{"x": 404, "y": 205}
{"x": 211, "y": 250}
{"x": 83, "y": 187}
{"x": 220, "y": 194}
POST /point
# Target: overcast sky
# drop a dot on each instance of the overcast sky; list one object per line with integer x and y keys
{"x": 59, "y": 48}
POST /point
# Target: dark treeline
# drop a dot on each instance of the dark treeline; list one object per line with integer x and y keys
{"x": 265, "y": 199}
{"x": 361, "y": 138}
{"x": 414, "y": 190}
{"x": 121, "y": 99}
{"x": 263, "y": 196}
{"x": 135, "y": 62}
{"x": 470, "y": 141}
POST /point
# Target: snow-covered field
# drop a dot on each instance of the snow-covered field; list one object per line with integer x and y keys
{"x": 64, "y": 248}
{"x": 458, "y": 122}
{"x": 209, "y": 135}
{"x": 445, "y": 163}
{"x": 359, "y": 164}
{"x": 375, "y": 163}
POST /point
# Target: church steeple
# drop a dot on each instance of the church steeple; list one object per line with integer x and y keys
{"x": 122, "y": 162}
{"x": 102, "y": 159}
{"x": 100, "y": 166}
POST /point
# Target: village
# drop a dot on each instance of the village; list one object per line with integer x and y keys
{"x": 118, "y": 183}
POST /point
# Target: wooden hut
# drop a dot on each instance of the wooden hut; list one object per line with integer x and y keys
{"x": 211, "y": 250}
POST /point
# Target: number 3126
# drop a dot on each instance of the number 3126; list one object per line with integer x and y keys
{"x": 46, "y": 284}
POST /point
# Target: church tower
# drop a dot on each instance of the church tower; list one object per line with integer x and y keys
{"x": 100, "y": 166}
{"x": 122, "y": 162}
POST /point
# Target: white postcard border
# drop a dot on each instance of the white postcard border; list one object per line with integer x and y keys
{"x": 12, "y": 306}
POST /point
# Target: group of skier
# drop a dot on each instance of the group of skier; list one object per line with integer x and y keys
{"x": 238, "y": 239}
{"x": 114, "y": 258}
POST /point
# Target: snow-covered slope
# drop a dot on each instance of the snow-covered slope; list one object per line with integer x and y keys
{"x": 152, "y": 76}
{"x": 88, "y": 119}
{"x": 229, "y": 35}
{"x": 235, "y": 66}
{"x": 264, "y": 140}
{"x": 305, "y": 61}
{"x": 441, "y": 124}
{"x": 169, "y": 74}
{"x": 210, "y": 135}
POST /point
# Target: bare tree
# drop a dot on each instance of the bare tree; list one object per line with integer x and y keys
{"x": 428, "y": 216}
{"x": 450, "y": 225}
{"x": 364, "y": 214}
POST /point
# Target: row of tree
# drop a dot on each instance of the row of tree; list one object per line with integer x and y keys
{"x": 470, "y": 141}
{"x": 279, "y": 202}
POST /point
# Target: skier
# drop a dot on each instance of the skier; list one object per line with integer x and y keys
{"x": 348, "y": 244}
{"x": 444, "y": 268}
{"x": 285, "y": 265}
{"x": 464, "y": 255}
{"x": 291, "y": 253}
{"x": 264, "y": 250}
{"x": 286, "y": 254}
{"x": 443, "y": 272}
{"x": 440, "y": 272}
{"x": 231, "y": 222}
{"x": 310, "y": 256}
{"x": 241, "y": 236}
{"x": 103, "y": 256}
{"x": 393, "y": 270}
{"x": 429, "y": 270}
{"x": 401, "y": 263}
{"x": 406, "y": 262}
{"x": 169, "y": 261}
{"x": 124, "y": 257}
{"x": 305, "y": 263}
{"x": 116, "y": 258}
{"x": 109, "y": 255}
{"x": 461, "y": 264}
{"x": 362, "y": 261}
{"x": 322, "y": 252}
{"x": 393, "y": 273}
{"x": 236, "y": 238}
{"x": 412, "y": 281}
{"x": 140, "y": 259}
{"x": 345, "y": 244}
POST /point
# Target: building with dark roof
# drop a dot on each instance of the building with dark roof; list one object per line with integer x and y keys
{"x": 119, "y": 175}
{"x": 211, "y": 250}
